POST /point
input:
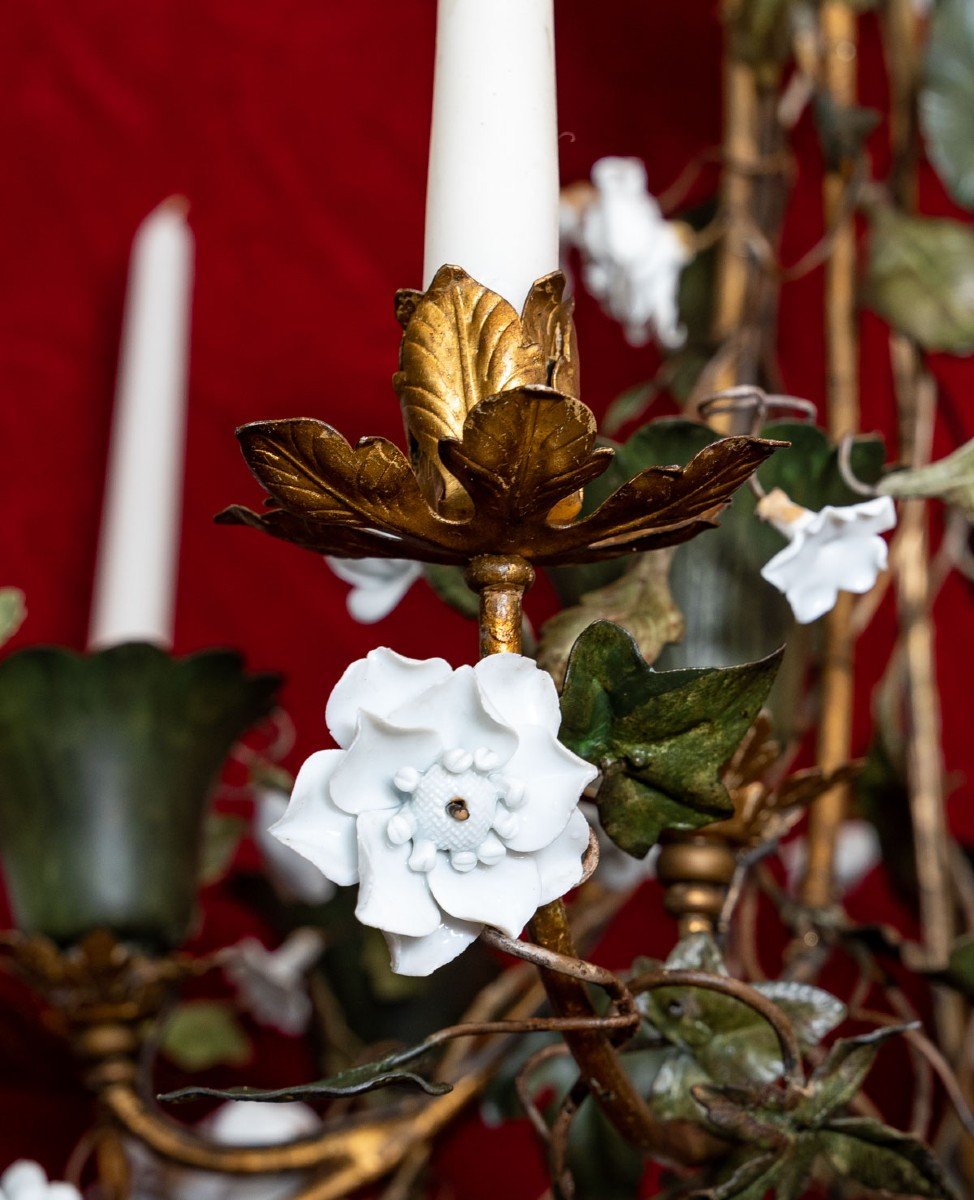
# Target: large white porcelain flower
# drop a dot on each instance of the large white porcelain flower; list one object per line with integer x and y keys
{"x": 378, "y": 584}
{"x": 631, "y": 255}
{"x": 272, "y": 984}
{"x": 25, "y": 1180}
{"x": 293, "y": 877}
{"x": 451, "y": 801}
{"x": 835, "y": 550}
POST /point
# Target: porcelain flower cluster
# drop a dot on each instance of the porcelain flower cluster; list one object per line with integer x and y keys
{"x": 451, "y": 802}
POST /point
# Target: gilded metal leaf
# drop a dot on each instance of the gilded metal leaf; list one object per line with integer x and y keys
{"x": 523, "y": 451}
{"x": 663, "y": 506}
{"x": 462, "y": 344}
{"x": 547, "y": 322}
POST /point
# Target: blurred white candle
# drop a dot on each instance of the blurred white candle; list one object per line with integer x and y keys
{"x": 135, "y": 579}
{"x": 492, "y": 194}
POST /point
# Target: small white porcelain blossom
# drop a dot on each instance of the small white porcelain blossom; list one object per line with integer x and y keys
{"x": 835, "y": 550}
{"x": 378, "y": 584}
{"x": 631, "y": 255}
{"x": 26, "y": 1180}
{"x": 451, "y": 801}
{"x": 271, "y": 984}
{"x": 253, "y": 1123}
{"x": 293, "y": 877}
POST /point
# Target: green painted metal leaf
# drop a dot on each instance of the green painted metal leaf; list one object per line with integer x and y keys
{"x": 947, "y": 97}
{"x": 384, "y": 1072}
{"x": 106, "y": 763}
{"x": 660, "y": 738}
{"x": 746, "y": 1177}
{"x": 728, "y": 1040}
{"x": 836, "y": 1082}
{"x": 812, "y": 1011}
{"x": 875, "y": 1156}
{"x": 951, "y": 480}
{"x": 12, "y": 612}
{"x": 920, "y": 278}
{"x": 448, "y": 583}
{"x": 202, "y": 1034}
{"x": 221, "y": 837}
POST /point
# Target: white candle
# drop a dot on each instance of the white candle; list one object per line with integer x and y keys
{"x": 492, "y": 194}
{"x": 135, "y": 579}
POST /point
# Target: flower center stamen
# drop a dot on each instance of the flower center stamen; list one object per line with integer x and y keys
{"x": 461, "y": 806}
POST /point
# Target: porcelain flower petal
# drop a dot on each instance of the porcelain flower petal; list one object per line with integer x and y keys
{"x": 422, "y": 955}
{"x": 293, "y": 877}
{"x": 463, "y": 803}
{"x": 26, "y": 1180}
{"x": 378, "y": 584}
{"x": 838, "y": 549}
{"x": 632, "y": 256}
{"x": 314, "y": 827}
{"x": 558, "y": 864}
{"x": 519, "y": 692}
{"x": 377, "y": 684}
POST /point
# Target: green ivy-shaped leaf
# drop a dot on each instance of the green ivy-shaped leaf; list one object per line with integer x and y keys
{"x": 384, "y": 1072}
{"x": 722, "y": 1037}
{"x": 947, "y": 97}
{"x": 784, "y": 1139}
{"x": 659, "y": 738}
{"x": 202, "y": 1034}
{"x": 920, "y": 278}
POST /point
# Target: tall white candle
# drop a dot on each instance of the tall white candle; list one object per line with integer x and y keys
{"x": 492, "y": 194}
{"x": 135, "y": 579}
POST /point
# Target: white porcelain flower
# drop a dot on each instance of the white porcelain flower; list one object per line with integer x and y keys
{"x": 293, "y": 877}
{"x": 253, "y": 1123}
{"x": 378, "y": 584}
{"x": 835, "y": 550}
{"x": 26, "y": 1180}
{"x": 631, "y": 255}
{"x": 451, "y": 801}
{"x": 271, "y": 984}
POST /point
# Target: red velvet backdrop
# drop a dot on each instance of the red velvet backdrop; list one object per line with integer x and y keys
{"x": 298, "y": 130}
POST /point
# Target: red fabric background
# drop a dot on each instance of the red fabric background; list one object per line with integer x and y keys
{"x": 298, "y": 131}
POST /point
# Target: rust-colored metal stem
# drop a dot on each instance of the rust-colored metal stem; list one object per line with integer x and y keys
{"x": 838, "y": 24}
{"x": 501, "y": 583}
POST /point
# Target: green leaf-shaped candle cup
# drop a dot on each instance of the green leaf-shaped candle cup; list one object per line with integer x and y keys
{"x": 106, "y": 764}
